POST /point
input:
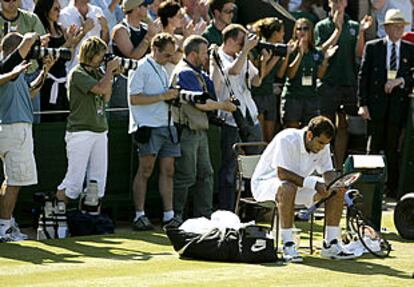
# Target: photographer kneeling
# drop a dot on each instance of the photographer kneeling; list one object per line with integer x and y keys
{"x": 193, "y": 169}
{"x": 16, "y": 118}
{"x": 86, "y": 136}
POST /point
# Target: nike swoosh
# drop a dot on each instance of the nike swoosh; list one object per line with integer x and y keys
{"x": 259, "y": 245}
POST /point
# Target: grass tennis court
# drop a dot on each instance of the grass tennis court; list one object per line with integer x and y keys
{"x": 147, "y": 259}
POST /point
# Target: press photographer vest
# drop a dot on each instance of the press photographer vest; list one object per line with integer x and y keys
{"x": 187, "y": 114}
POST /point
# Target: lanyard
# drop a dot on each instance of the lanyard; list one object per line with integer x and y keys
{"x": 163, "y": 80}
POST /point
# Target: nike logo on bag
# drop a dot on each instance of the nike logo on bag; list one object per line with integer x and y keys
{"x": 259, "y": 245}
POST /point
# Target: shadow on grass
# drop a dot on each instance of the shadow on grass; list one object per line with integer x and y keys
{"x": 75, "y": 249}
{"x": 395, "y": 237}
{"x": 356, "y": 267}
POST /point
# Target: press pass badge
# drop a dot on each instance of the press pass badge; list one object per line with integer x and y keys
{"x": 392, "y": 74}
{"x": 306, "y": 81}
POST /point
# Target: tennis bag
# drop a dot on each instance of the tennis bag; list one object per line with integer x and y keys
{"x": 250, "y": 244}
{"x": 83, "y": 223}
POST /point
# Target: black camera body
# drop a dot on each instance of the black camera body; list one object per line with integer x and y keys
{"x": 277, "y": 49}
{"x": 126, "y": 63}
{"x": 39, "y": 52}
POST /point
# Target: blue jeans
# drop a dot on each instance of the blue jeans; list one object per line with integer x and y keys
{"x": 227, "y": 172}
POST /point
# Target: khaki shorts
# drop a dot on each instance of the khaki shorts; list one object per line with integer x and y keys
{"x": 16, "y": 152}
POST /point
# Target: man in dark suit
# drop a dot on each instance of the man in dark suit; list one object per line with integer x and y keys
{"x": 384, "y": 84}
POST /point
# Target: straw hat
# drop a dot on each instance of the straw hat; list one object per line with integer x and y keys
{"x": 394, "y": 16}
{"x": 128, "y": 5}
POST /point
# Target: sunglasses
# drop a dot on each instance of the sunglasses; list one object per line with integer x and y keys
{"x": 303, "y": 28}
{"x": 229, "y": 11}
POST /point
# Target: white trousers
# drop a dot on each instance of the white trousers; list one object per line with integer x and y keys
{"x": 87, "y": 154}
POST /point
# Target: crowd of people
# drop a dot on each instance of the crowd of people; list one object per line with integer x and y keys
{"x": 178, "y": 66}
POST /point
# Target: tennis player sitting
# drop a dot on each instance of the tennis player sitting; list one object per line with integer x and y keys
{"x": 284, "y": 173}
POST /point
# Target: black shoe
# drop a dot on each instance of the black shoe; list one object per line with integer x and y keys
{"x": 143, "y": 224}
{"x": 173, "y": 223}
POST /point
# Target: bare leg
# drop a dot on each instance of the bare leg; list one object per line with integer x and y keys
{"x": 285, "y": 198}
{"x": 146, "y": 166}
{"x": 166, "y": 182}
{"x": 333, "y": 209}
{"x": 8, "y": 201}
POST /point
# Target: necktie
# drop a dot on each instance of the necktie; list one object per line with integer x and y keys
{"x": 393, "y": 59}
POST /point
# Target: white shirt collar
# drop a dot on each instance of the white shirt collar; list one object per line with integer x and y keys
{"x": 389, "y": 42}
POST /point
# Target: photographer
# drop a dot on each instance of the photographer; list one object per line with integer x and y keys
{"x": 233, "y": 75}
{"x": 89, "y": 90}
{"x": 193, "y": 169}
{"x": 16, "y": 118}
{"x": 156, "y": 136}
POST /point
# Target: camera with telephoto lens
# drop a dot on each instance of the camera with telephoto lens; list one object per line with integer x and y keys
{"x": 126, "y": 63}
{"x": 191, "y": 97}
{"x": 277, "y": 49}
{"x": 39, "y": 52}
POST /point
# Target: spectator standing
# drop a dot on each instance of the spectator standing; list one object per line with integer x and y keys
{"x": 86, "y": 131}
{"x": 242, "y": 74}
{"x": 157, "y": 137}
{"x": 53, "y": 93}
{"x": 111, "y": 10}
{"x": 130, "y": 39}
{"x": 87, "y": 18}
{"x": 14, "y": 19}
{"x": 338, "y": 89}
{"x": 16, "y": 118}
{"x": 193, "y": 170}
{"x": 382, "y": 6}
{"x": 270, "y": 30}
{"x": 385, "y": 81}
{"x": 222, "y": 12}
{"x": 300, "y": 100}
{"x": 171, "y": 15}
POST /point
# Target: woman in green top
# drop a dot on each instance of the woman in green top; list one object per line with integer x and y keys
{"x": 300, "y": 100}
{"x": 86, "y": 133}
{"x": 270, "y": 30}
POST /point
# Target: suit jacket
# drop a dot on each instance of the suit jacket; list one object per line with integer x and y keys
{"x": 372, "y": 77}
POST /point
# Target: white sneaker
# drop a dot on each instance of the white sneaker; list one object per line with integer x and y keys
{"x": 335, "y": 250}
{"x": 290, "y": 253}
{"x": 17, "y": 233}
{"x": 10, "y": 236}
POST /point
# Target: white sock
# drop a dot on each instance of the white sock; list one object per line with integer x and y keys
{"x": 286, "y": 234}
{"x": 332, "y": 232}
{"x": 4, "y": 225}
{"x": 168, "y": 215}
{"x": 138, "y": 214}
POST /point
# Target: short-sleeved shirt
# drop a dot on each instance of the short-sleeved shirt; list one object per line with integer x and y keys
{"x": 70, "y": 15}
{"x": 150, "y": 79}
{"x": 24, "y": 22}
{"x": 15, "y": 102}
{"x": 308, "y": 67}
{"x": 287, "y": 150}
{"x": 87, "y": 109}
{"x": 342, "y": 69}
{"x": 240, "y": 84}
{"x": 213, "y": 35}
